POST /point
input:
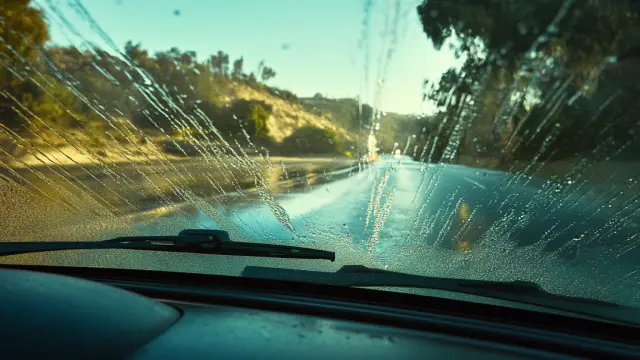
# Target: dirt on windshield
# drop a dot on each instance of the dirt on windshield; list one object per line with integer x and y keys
{"x": 498, "y": 133}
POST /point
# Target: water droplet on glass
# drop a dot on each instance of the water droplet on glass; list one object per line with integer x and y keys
{"x": 522, "y": 28}
{"x": 433, "y": 13}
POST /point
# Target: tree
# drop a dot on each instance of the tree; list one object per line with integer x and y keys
{"x": 267, "y": 73}
{"x": 22, "y": 28}
{"x": 259, "y": 116}
{"x": 517, "y": 53}
{"x": 23, "y": 31}
{"x": 311, "y": 139}
{"x": 250, "y": 115}
{"x": 237, "y": 68}
{"x": 129, "y": 96}
{"x": 137, "y": 54}
{"x": 260, "y": 67}
{"x": 188, "y": 58}
{"x": 220, "y": 63}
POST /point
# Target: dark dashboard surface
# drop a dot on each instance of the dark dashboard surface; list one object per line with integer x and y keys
{"x": 53, "y": 316}
{"x": 239, "y": 333}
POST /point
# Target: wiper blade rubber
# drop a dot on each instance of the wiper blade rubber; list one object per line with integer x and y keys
{"x": 214, "y": 242}
{"x": 515, "y": 291}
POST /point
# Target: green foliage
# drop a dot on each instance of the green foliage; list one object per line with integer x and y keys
{"x": 237, "y": 68}
{"x": 312, "y": 140}
{"x": 359, "y": 119}
{"x": 53, "y": 107}
{"x": 267, "y": 74}
{"x": 22, "y": 28}
{"x": 249, "y": 115}
{"x": 259, "y": 117}
{"x": 220, "y": 63}
{"x": 345, "y": 112}
{"x": 397, "y": 129}
{"x": 169, "y": 91}
{"x": 133, "y": 96}
{"x": 517, "y": 55}
{"x": 285, "y": 95}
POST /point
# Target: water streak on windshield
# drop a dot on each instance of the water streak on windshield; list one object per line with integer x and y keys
{"x": 479, "y": 139}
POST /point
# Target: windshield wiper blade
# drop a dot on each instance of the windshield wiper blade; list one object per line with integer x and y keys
{"x": 215, "y": 242}
{"x": 523, "y": 292}
{"x": 358, "y": 275}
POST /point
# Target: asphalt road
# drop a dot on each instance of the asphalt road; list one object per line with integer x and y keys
{"x": 398, "y": 201}
{"x": 429, "y": 219}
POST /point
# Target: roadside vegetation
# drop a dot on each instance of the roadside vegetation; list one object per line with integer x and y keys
{"x": 172, "y": 102}
{"x": 542, "y": 82}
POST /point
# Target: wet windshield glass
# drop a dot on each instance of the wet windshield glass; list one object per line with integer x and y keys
{"x": 492, "y": 140}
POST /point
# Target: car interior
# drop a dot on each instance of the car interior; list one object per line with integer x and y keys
{"x": 94, "y": 313}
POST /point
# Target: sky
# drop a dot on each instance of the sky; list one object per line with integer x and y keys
{"x": 372, "y": 49}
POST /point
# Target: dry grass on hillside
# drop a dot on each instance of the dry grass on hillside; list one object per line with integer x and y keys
{"x": 286, "y": 116}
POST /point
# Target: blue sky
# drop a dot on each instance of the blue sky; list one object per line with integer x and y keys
{"x": 314, "y": 46}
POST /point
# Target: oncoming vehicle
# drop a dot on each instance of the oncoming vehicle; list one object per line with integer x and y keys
{"x": 355, "y": 179}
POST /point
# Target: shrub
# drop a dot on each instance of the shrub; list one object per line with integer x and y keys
{"x": 285, "y": 95}
{"x": 312, "y": 140}
{"x": 259, "y": 117}
{"x": 252, "y": 115}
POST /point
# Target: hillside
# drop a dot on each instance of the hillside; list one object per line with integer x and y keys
{"x": 287, "y": 116}
{"x": 349, "y": 114}
{"x": 89, "y": 107}
{"x": 72, "y": 146}
{"x": 66, "y": 105}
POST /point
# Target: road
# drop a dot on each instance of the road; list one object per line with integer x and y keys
{"x": 121, "y": 189}
{"x": 429, "y": 219}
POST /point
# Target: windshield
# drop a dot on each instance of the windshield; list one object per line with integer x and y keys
{"x": 490, "y": 140}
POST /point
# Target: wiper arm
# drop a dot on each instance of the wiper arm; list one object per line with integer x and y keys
{"x": 515, "y": 291}
{"x": 215, "y": 242}
{"x": 358, "y": 275}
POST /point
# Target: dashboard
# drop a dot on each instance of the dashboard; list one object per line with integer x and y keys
{"x": 99, "y": 315}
